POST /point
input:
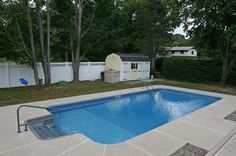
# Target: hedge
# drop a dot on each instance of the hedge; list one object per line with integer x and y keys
{"x": 193, "y": 70}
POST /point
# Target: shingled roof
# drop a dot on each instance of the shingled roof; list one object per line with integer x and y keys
{"x": 187, "y": 48}
{"x": 133, "y": 57}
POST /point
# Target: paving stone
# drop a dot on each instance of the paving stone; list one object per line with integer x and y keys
{"x": 231, "y": 117}
{"x": 190, "y": 150}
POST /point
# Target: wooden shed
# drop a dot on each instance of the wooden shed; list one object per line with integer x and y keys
{"x": 130, "y": 66}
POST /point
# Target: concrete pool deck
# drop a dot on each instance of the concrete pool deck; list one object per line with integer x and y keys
{"x": 205, "y": 128}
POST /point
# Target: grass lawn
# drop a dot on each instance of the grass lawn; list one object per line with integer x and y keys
{"x": 3, "y": 59}
{"x": 20, "y": 95}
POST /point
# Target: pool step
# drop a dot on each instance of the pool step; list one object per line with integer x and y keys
{"x": 49, "y": 132}
{"x": 45, "y": 130}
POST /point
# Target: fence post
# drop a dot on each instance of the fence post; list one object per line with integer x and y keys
{"x": 8, "y": 79}
{"x": 67, "y": 71}
{"x": 89, "y": 70}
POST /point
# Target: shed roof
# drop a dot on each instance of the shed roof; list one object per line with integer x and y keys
{"x": 133, "y": 57}
{"x": 187, "y": 48}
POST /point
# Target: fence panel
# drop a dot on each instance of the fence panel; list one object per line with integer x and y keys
{"x": 10, "y": 72}
{"x": 4, "y": 81}
{"x": 19, "y": 71}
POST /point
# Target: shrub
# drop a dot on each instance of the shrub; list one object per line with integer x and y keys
{"x": 232, "y": 77}
{"x": 194, "y": 70}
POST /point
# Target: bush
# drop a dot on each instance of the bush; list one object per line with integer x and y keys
{"x": 159, "y": 64}
{"x": 193, "y": 70}
{"x": 232, "y": 77}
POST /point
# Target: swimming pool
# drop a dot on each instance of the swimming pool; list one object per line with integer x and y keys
{"x": 116, "y": 119}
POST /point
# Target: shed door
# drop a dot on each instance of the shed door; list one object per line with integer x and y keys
{"x": 134, "y": 75}
{"x": 134, "y": 71}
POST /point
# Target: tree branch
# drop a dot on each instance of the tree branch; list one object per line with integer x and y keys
{"x": 92, "y": 44}
{"x": 91, "y": 22}
{"x": 22, "y": 39}
{"x": 20, "y": 34}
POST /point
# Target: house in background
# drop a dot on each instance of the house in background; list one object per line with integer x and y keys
{"x": 188, "y": 51}
{"x": 130, "y": 66}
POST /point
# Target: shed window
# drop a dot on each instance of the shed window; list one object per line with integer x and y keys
{"x": 134, "y": 65}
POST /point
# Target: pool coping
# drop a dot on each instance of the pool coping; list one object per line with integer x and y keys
{"x": 217, "y": 105}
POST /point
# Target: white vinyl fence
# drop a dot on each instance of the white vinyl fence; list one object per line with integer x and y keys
{"x": 10, "y": 72}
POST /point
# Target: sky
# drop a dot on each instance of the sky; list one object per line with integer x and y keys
{"x": 180, "y": 30}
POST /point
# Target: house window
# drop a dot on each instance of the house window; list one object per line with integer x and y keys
{"x": 134, "y": 66}
{"x": 173, "y": 52}
{"x": 192, "y": 52}
{"x": 182, "y": 52}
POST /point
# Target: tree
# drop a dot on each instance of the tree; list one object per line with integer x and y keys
{"x": 156, "y": 19}
{"x": 45, "y": 52}
{"x": 180, "y": 40}
{"x": 214, "y": 22}
{"x": 5, "y": 45}
{"x": 31, "y": 49}
{"x": 77, "y": 35}
{"x": 13, "y": 27}
{"x": 38, "y": 7}
{"x": 73, "y": 33}
{"x": 17, "y": 30}
{"x": 113, "y": 30}
{"x": 31, "y": 36}
{"x": 48, "y": 71}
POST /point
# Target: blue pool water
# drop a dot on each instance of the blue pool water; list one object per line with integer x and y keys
{"x": 117, "y": 119}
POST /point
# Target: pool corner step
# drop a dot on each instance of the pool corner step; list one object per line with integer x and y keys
{"x": 44, "y": 129}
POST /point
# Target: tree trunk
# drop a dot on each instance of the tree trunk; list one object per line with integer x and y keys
{"x": 224, "y": 76}
{"x": 41, "y": 35}
{"x": 48, "y": 77}
{"x": 154, "y": 49}
{"x": 33, "y": 57}
{"x": 66, "y": 56}
{"x": 76, "y": 61}
{"x": 153, "y": 64}
{"x": 226, "y": 67}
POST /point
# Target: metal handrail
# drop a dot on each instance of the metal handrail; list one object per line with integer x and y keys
{"x": 146, "y": 84}
{"x": 150, "y": 84}
{"x": 143, "y": 84}
{"x": 18, "y": 116}
{"x": 38, "y": 121}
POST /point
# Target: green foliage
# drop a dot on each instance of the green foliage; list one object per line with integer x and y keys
{"x": 155, "y": 19}
{"x": 180, "y": 40}
{"x": 120, "y": 26}
{"x": 213, "y": 25}
{"x": 192, "y": 70}
{"x": 11, "y": 46}
{"x": 113, "y": 30}
{"x": 200, "y": 70}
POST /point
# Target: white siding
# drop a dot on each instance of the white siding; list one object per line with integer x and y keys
{"x": 126, "y": 71}
{"x": 144, "y": 70}
{"x": 189, "y": 53}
